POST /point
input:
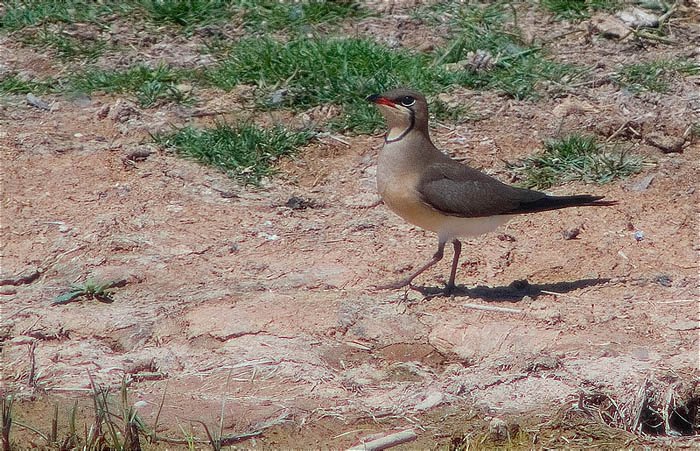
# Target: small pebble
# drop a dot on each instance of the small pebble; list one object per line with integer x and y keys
{"x": 571, "y": 234}
{"x": 37, "y": 102}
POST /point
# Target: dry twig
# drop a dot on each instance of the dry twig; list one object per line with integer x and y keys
{"x": 489, "y": 308}
{"x": 387, "y": 441}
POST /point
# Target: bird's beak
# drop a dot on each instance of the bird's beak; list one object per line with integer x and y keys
{"x": 379, "y": 100}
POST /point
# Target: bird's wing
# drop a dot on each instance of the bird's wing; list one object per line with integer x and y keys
{"x": 458, "y": 190}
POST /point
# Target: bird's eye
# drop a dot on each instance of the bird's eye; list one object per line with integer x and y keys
{"x": 407, "y": 101}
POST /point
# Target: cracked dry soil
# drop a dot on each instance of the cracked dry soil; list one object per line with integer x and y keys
{"x": 237, "y": 294}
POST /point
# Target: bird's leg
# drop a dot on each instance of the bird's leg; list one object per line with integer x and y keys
{"x": 407, "y": 281}
{"x": 453, "y": 272}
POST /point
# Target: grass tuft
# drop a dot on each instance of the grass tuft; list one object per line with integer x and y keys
{"x": 574, "y": 158}
{"x": 150, "y": 85}
{"x": 24, "y": 13}
{"x": 654, "y": 76}
{"x": 272, "y": 15}
{"x": 186, "y": 13}
{"x": 344, "y": 71}
{"x": 14, "y": 84}
{"x": 245, "y": 152}
{"x": 520, "y": 70}
{"x": 101, "y": 291}
{"x": 323, "y": 71}
{"x": 578, "y": 9}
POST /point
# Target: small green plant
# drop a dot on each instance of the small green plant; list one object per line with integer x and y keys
{"x": 656, "y": 75}
{"x": 574, "y": 158}
{"x": 150, "y": 85}
{"x": 245, "y": 152}
{"x": 578, "y": 9}
{"x": 101, "y": 291}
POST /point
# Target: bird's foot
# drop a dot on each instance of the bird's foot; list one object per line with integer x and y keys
{"x": 394, "y": 285}
{"x": 391, "y": 286}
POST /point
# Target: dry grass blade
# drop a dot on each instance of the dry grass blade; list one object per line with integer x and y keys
{"x": 6, "y": 421}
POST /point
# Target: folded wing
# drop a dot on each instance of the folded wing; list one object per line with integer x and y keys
{"x": 458, "y": 190}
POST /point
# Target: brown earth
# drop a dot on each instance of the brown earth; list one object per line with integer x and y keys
{"x": 234, "y": 296}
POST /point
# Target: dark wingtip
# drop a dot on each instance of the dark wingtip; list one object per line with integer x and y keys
{"x": 597, "y": 201}
{"x": 604, "y": 203}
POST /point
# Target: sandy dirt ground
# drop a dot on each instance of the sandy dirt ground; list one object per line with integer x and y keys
{"x": 261, "y": 298}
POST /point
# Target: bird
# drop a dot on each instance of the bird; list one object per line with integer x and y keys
{"x": 429, "y": 189}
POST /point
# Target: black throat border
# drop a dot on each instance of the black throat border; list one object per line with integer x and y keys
{"x": 405, "y": 132}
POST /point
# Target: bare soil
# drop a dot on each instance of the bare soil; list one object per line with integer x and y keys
{"x": 235, "y": 296}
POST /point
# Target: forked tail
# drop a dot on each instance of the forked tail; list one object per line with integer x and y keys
{"x": 556, "y": 202}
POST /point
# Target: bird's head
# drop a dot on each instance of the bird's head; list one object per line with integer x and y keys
{"x": 403, "y": 110}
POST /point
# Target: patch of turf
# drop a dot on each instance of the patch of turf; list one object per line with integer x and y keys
{"x": 343, "y": 71}
{"x": 519, "y": 70}
{"x": 578, "y": 9}
{"x": 150, "y": 85}
{"x": 656, "y": 75}
{"x": 66, "y": 46}
{"x": 245, "y": 152}
{"x": 272, "y": 15}
{"x": 14, "y": 84}
{"x": 24, "y": 13}
{"x": 186, "y": 12}
{"x": 574, "y": 158}
{"x": 322, "y": 71}
{"x": 258, "y": 16}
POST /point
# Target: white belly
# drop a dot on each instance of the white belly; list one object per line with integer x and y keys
{"x": 454, "y": 227}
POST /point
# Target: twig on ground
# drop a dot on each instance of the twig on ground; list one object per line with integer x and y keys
{"x": 617, "y": 132}
{"x": 387, "y": 441}
{"x": 32, "y": 364}
{"x": 489, "y": 308}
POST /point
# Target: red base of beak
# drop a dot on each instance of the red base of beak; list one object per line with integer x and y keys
{"x": 379, "y": 100}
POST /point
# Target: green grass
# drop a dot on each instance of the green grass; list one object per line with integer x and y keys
{"x": 186, "y": 13}
{"x": 574, "y": 158}
{"x": 655, "y": 76}
{"x": 14, "y": 84}
{"x": 91, "y": 289}
{"x": 579, "y": 9}
{"x": 24, "y": 13}
{"x": 343, "y": 71}
{"x": 150, "y": 85}
{"x": 260, "y": 16}
{"x": 272, "y": 15}
{"x": 66, "y": 47}
{"x": 322, "y": 71}
{"x": 245, "y": 152}
{"x": 521, "y": 70}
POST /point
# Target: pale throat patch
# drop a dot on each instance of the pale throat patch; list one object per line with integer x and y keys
{"x": 394, "y": 115}
{"x": 395, "y": 132}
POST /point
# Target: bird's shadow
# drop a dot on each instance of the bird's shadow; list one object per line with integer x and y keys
{"x": 514, "y": 292}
